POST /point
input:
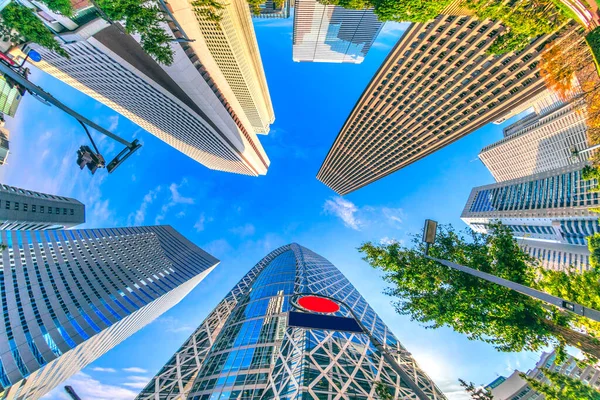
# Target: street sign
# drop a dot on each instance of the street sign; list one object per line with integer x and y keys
{"x": 35, "y": 56}
{"x": 318, "y": 304}
{"x": 324, "y": 322}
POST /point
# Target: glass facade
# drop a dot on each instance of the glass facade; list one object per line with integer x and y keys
{"x": 70, "y": 295}
{"x": 245, "y": 349}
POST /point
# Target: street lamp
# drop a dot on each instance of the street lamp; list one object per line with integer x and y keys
{"x": 526, "y": 290}
{"x": 316, "y": 302}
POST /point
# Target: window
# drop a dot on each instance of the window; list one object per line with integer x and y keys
{"x": 42, "y": 209}
{"x": 72, "y": 211}
{"x": 64, "y": 211}
{"x": 33, "y": 208}
{"x": 57, "y": 211}
{"x": 25, "y": 207}
{"x": 49, "y": 210}
{"x": 7, "y": 205}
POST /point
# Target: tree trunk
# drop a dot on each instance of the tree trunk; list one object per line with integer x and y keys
{"x": 583, "y": 342}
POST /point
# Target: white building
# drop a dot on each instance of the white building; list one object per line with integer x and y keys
{"x": 333, "y": 34}
{"x": 557, "y": 256}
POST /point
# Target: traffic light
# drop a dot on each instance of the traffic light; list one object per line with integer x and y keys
{"x": 86, "y": 157}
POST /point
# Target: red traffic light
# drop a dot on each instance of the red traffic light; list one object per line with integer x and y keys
{"x": 318, "y": 304}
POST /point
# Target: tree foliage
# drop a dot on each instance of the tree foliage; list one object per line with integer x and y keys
{"x": 438, "y": 296}
{"x": 476, "y": 393}
{"x": 393, "y": 10}
{"x": 63, "y": 7}
{"x": 383, "y": 391}
{"x": 144, "y": 18}
{"x": 524, "y": 20}
{"x": 21, "y": 19}
{"x": 562, "y": 387}
{"x": 211, "y": 10}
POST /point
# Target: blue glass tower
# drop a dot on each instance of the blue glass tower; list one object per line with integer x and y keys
{"x": 245, "y": 349}
{"x": 68, "y": 296}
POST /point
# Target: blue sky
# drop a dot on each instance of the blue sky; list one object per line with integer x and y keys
{"x": 240, "y": 219}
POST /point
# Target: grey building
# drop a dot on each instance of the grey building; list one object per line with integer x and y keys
{"x": 327, "y": 33}
{"x": 69, "y": 296}
{"x": 557, "y": 256}
{"x": 538, "y": 143}
{"x": 245, "y": 349}
{"x": 516, "y": 388}
{"x": 4, "y": 143}
{"x": 25, "y": 209}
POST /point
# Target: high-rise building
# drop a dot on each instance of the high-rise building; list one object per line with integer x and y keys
{"x": 436, "y": 86}
{"x": 232, "y": 44}
{"x": 10, "y": 96}
{"x": 69, "y": 296}
{"x": 180, "y": 104}
{"x": 245, "y": 349}
{"x": 552, "y": 205}
{"x": 273, "y": 9}
{"x": 328, "y": 33}
{"x": 4, "y": 142}
{"x": 557, "y": 256}
{"x": 516, "y": 388}
{"x": 22, "y": 209}
{"x": 539, "y": 143}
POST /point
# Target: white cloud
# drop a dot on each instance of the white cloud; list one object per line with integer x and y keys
{"x": 137, "y": 382}
{"x": 199, "y": 225}
{"x": 174, "y": 325}
{"x": 135, "y": 370}
{"x": 218, "y": 247}
{"x": 344, "y": 209}
{"x": 387, "y": 241}
{"x": 393, "y": 215}
{"x": 244, "y": 230}
{"x": 114, "y": 123}
{"x": 89, "y": 388}
{"x": 100, "y": 369}
{"x": 139, "y": 216}
{"x": 175, "y": 198}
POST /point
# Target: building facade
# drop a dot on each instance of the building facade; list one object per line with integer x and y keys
{"x": 69, "y": 296}
{"x": 540, "y": 143}
{"x": 516, "y": 388}
{"x": 273, "y": 9}
{"x": 180, "y": 104}
{"x": 557, "y": 256}
{"x": 552, "y": 206}
{"x": 328, "y": 33}
{"x": 245, "y": 349}
{"x": 436, "y": 86}
{"x": 4, "y": 142}
{"x": 22, "y": 209}
{"x": 232, "y": 44}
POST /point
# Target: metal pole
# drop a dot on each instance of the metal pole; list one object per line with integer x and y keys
{"x": 5, "y": 69}
{"x": 391, "y": 360}
{"x": 526, "y": 290}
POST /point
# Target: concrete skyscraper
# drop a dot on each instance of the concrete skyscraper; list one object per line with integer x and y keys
{"x": 549, "y": 206}
{"x": 557, "y": 256}
{"x": 514, "y": 387}
{"x": 188, "y": 105}
{"x": 245, "y": 349}
{"x": 328, "y": 33}
{"x": 22, "y": 209}
{"x": 538, "y": 143}
{"x": 436, "y": 86}
{"x": 69, "y": 296}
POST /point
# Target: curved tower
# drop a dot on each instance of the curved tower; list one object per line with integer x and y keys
{"x": 245, "y": 350}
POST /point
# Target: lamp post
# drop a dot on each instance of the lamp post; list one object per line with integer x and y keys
{"x": 526, "y": 290}
{"x": 378, "y": 345}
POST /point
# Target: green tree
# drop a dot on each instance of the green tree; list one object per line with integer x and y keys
{"x": 21, "y": 19}
{"x": 63, "y": 7}
{"x": 393, "y": 10}
{"x": 562, "y": 387}
{"x": 438, "y": 296}
{"x": 594, "y": 247}
{"x": 144, "y": 18}
{"x": 476, "y": 393}
{"x": 383, "y": 391}
{"x": 212, "y": 9}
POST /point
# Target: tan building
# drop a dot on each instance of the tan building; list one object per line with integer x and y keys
{"x": 233, "y": 47}
{"x": 436, "y": 86}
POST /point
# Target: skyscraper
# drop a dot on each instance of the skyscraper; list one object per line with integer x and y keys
{"x": 22, "y": 209}
{"x": 539, "y": 143}
{"x": 436, "y": 86}
{"x": 273, "y": 9}
{"x": 245, "y": 349}
{"x": 327, "y": 33}
{"x": 69, "y": 296}
{"x": 551, "y": 205}
{"x": 232, "y": 44}
{"x": 180, "y": 104}
{"x": 557, "y": 256}
{"x": 515, "y": 387}
{"x": 4, "y": 143}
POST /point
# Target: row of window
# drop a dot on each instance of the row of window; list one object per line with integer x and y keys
{"x": 15, "y": 205}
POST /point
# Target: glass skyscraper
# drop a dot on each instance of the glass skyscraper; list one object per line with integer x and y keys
{"x": 245, "y": 349}
{"x": 69, "y": 296}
